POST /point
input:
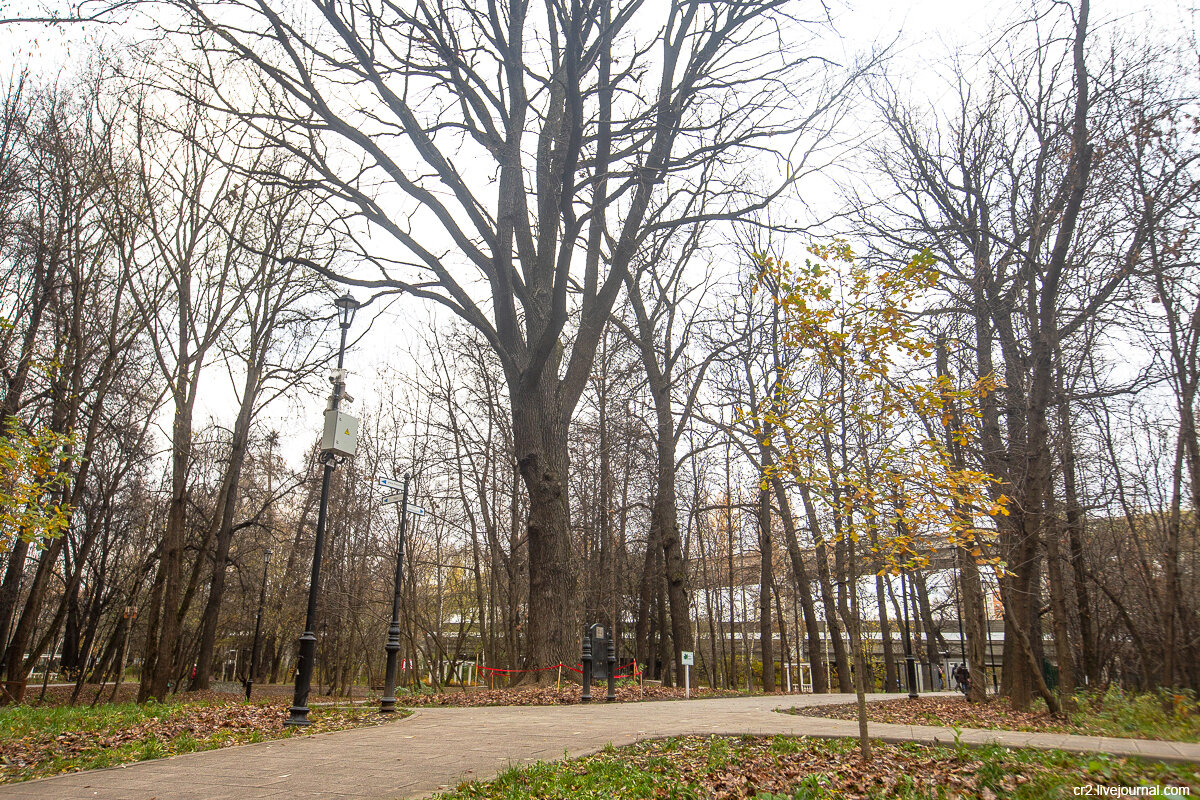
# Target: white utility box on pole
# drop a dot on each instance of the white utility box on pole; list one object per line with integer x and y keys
{"x": 341, "y": 434}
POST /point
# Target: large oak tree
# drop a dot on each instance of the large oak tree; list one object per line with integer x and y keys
{"x": 510, "y": 159}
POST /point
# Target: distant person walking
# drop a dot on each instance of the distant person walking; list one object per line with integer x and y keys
{"x": 962, "y": 677}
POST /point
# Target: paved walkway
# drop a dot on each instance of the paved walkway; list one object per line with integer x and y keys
{"x": 437, "y": 748}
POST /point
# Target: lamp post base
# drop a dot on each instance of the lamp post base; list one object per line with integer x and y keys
{"x": 299, "y": 716}
{"x": 388, "y": 704}
{"x": 304, "y": 669}
{"x": 911, "y": 663}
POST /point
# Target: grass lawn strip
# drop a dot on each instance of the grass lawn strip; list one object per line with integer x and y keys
{"x": 1114, "y": 713}
{"x": 809, "y": 769}
{"x": 40, "y": 741}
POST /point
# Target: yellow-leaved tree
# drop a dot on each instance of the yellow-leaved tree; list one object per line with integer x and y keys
{"x": 856, "y": 429}
{"x": 32, "y": 477}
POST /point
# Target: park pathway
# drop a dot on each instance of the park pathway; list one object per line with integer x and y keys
{"x": 437, "y": 748}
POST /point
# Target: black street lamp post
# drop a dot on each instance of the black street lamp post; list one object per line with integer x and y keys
{"x": 388, "y": 704}
{"x": 909, "y": 661}
{"x": 611, "y": 697}
{"x": 346, "y": 306}
{"x": 262, "y": 599}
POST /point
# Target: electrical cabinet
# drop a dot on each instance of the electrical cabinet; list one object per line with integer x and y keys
{"x": 341, "y": 434}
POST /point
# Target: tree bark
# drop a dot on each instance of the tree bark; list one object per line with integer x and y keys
{"x": 766, "y": 579}
{"x": 223, "y": 519}
{"x": 1060, "y": 614}
{"x": 540, "y": 438}
{"x": 820, "y": 674}
{"x": 828, "y": 602}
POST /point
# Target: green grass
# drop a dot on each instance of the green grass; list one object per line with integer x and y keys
{"x": 794, "y": 768}
{"x": 42, "y": 723}
{"x": 606, "y": 775}
{"x": 39, "y": 741}
{"x": 1173, "y": 716}
{"x": 1169, "y": 716}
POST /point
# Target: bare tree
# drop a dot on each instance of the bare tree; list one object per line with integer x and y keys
{"x": 1008, "y": 194}
{"x": 518, "y": 155}
{"x": 189, "y": 198}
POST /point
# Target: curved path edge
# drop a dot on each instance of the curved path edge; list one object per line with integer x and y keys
{"x": 438, "y": 748}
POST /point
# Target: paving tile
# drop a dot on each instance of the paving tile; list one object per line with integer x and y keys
{"x": 441, "y": 747}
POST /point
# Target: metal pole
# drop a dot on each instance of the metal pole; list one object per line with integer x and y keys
{"x": 612, "y": 668}
{"x": 991, "y": 653}
{"x": 962, "y": 639}
{"x": 909, "y": 661}
{"x": 308, "y": 640}
{"x": 388, "y": 704}
{"x": 262, "y": 599}
{"x": 586, "y": 697}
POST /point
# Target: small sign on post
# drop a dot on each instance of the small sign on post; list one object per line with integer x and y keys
{"x": 599, "y": 637}
{"x": 688, "y": 659}
{"x": 396, "y": 497}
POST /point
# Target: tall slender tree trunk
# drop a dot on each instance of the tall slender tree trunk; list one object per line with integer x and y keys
{"x": 15, "y": 671}
{"x": 1060, "y": 618}
{"x": 853, "y": 625}
{"x": 666, "y": 517}
{"x": 935, "y": 643}
{"x": 1083, "y": 601}
{"x": 970, "y": 584}
{"x": 44, "y": 269}
{"x": 642, "y": 634}
{"x": 10, "y": 589}
{"x": 227, "y": 506}
{"x": 664, "y": 660}
{"x": 828, "y": 601}
{"x": 820, "y": 673}
{"x": 974, "y": 622}
{"x": 890, "y": 679}
{"x": 766, "y": 579}
{"x": 159, "y": 665}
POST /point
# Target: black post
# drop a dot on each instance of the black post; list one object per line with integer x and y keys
{"x": 388, "y": 704}
{"x": 909, "y": 661}
{"x": 612, "y": 669}
{"x": 958, "y": 605}
{"x": 262, "y": 599}
{"x": 586, "y": 697}
{"x": 308, "y": 640}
